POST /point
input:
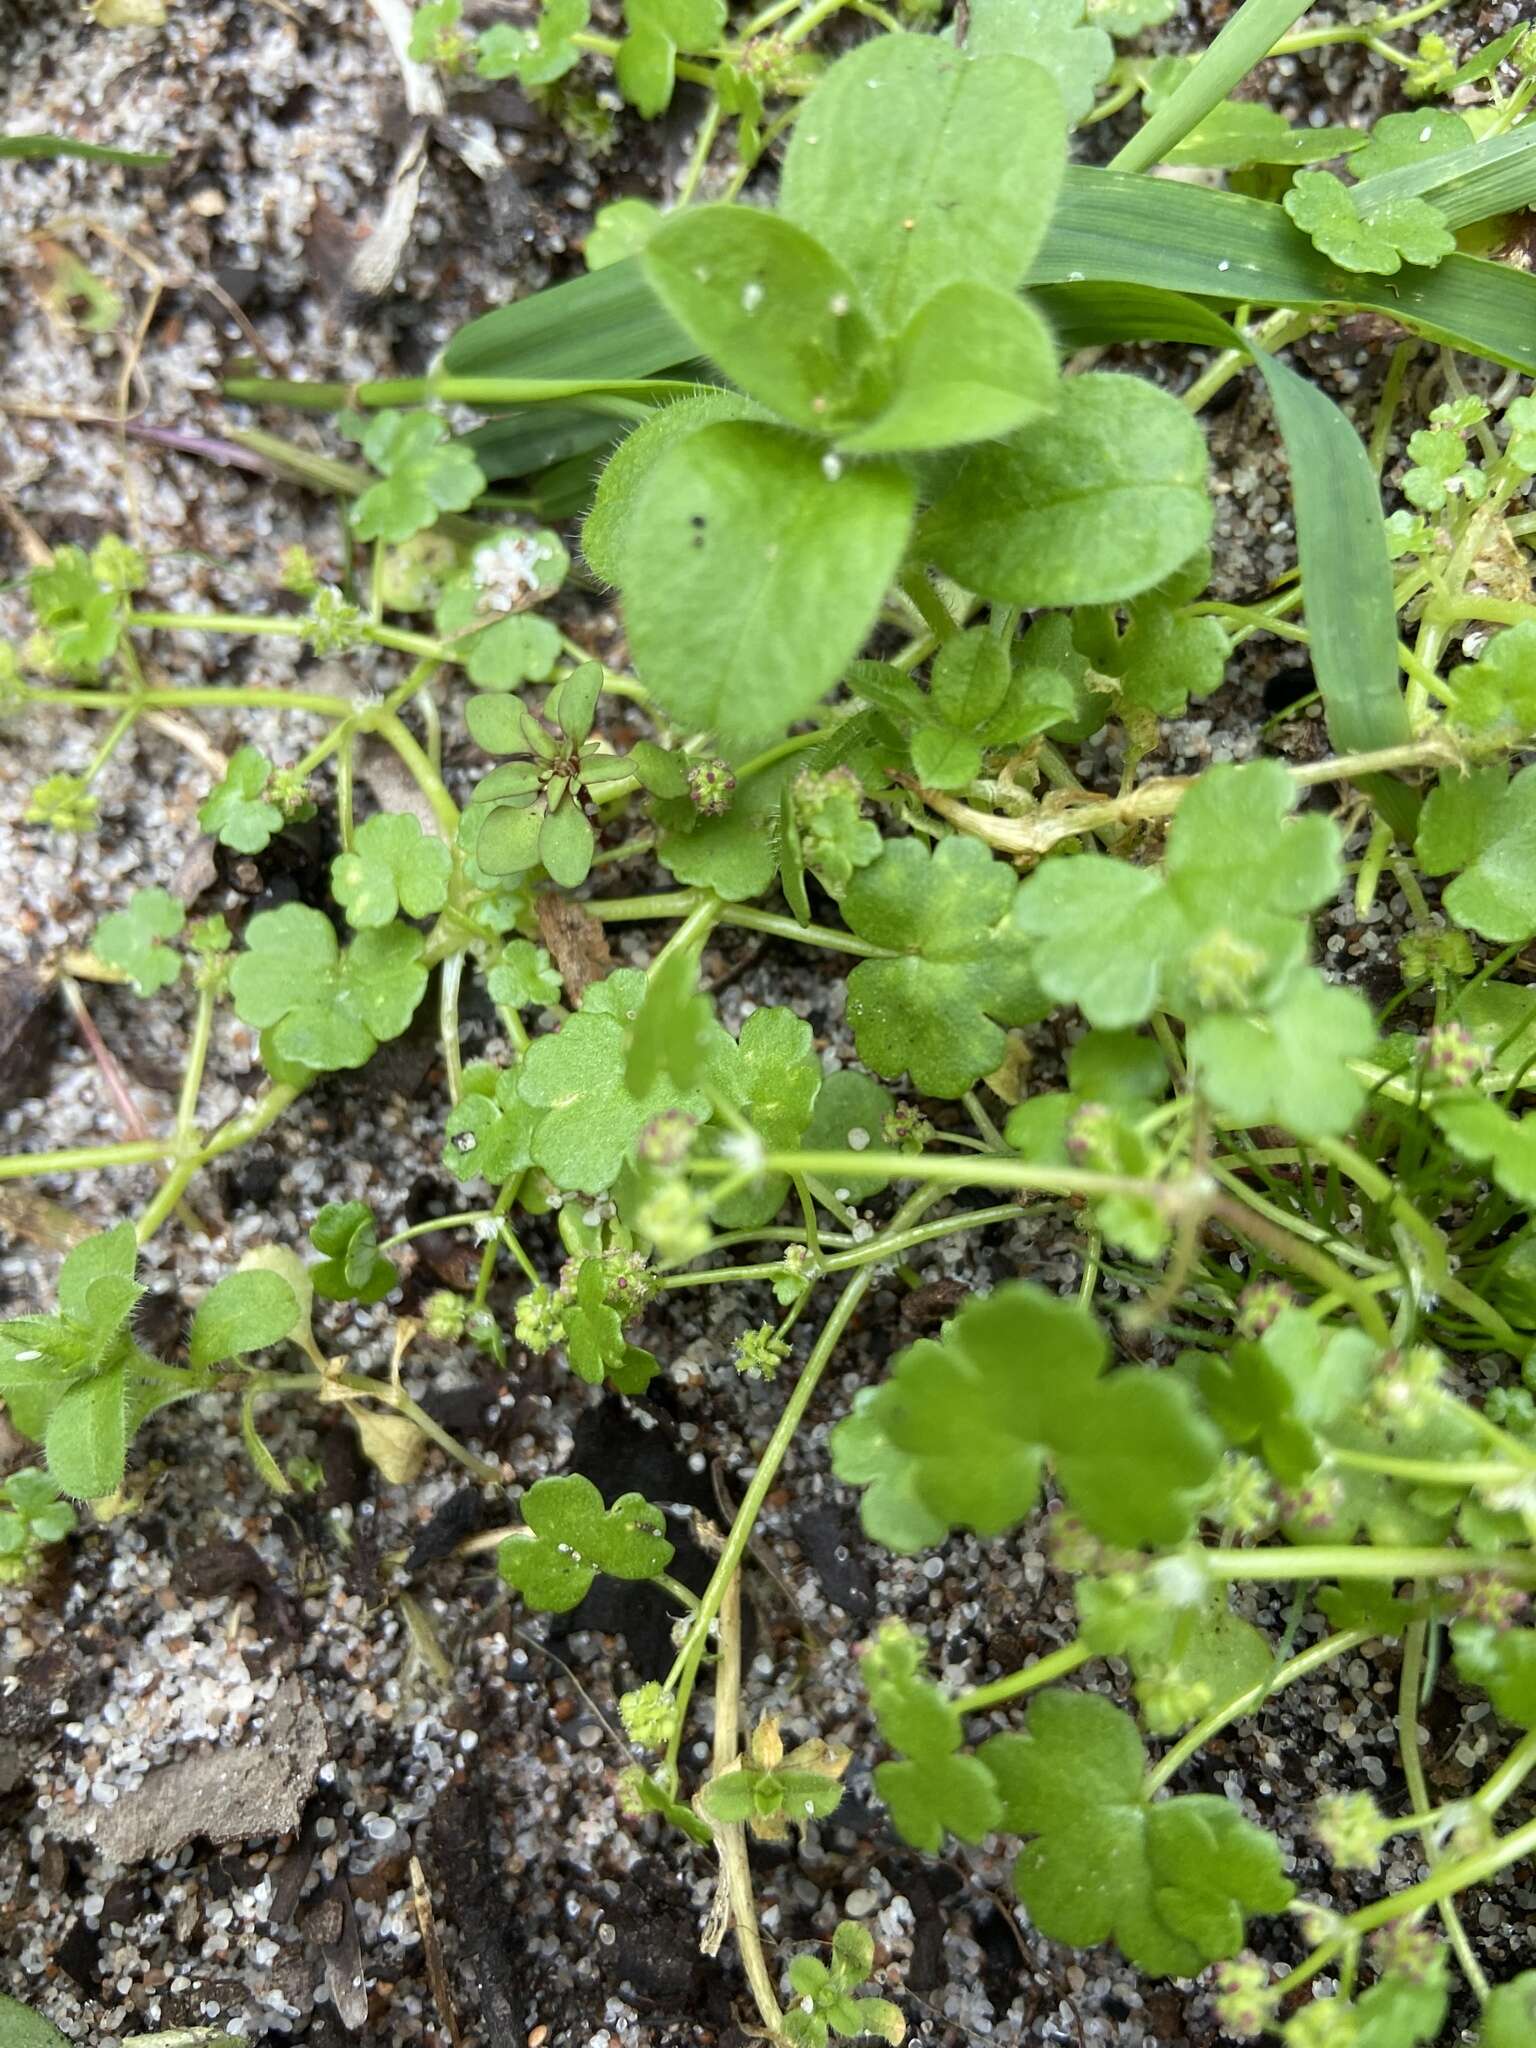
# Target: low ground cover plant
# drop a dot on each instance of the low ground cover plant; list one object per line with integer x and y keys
{"x": 907, "y": 589}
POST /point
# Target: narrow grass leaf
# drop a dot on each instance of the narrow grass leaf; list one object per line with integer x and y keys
{"x": 1244, "y": 42}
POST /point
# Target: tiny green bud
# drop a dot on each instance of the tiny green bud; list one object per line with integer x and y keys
{"x": 484, "y": 1332}
{"x": 1259, "y": 1304}
{"x": 667, "y": 1139}
{"x": 760, "y": 1353}
{"x": 906, "y": 1128}
{"x": 1452, "y": 1056}
{"x": 334, "y": 624}
{"x": 1401, "y": 1949}
{"x": 289, "y": 790}
{"x": 1350, "y": 1829}
{"x": 1490, "y": 1598}
{"x": 711, "y": 785}
{"x": 1224, "y": 970}
{"x": 117, "y": 566}
{"x": 1316, "y": 1503}
{"x": 445, "y": 1315}
{"x": 1325, "y": 2023}
{"x": 677, "y": 1221}
{"x": 1245, "y": 2005}
{"x": 1244, "y": 1500}
{"x": 296, "y": 571}
{"x": 800, "y": 1269}
{"x": 649, "y": 1714}
{"x": 1406, "y": 1388}
{"x": 64, "y": 803}
{"x": 536, "y": 1320}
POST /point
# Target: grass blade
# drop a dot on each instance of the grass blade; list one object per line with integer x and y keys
{"x": 1245, "y": 41}
{"x": 606, "y": 324}
{"x": 1109, "y": 229}
{"x": 93, "y": 152}
{"x": 1113, "y": 229}
{"x": 1497, "y": 175}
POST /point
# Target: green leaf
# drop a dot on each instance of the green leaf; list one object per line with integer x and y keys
{"x": 610, "y": 521}
{"x": 81, "y": 618}
{"x": 1360, "y": 233}
{"x": 393, "y": 866}
{"x": 235, "y": 810}
{"x": 621, "y": 228}
{"x": 917, "y": 166}
{"x": 352, "y": 1268}
{"x": 490, "y": 1129}
{"x": 1502, "y": 1662}
{"x": 804, "y": 549}
{"x": 1478, "y": 1128}
{"x": 1482, "y": 829}
{"x": 534, "y": 56}
{"x": 244, "y": 1312}
{"x": 566, "y": 844}
{"x": 424, "y": 475}
{"x": 1509, "y": 2017}
{"x": 133, "y": 939}
{"x": 1020, "y": 1371}
{"x": 523, "y": 978}
{"x": 773, "y": 309}
{"x": 775, "y": 1083}
{"x": 575, "y": 1538}
{"x": 1223, "y": 928}
{"x": 1169, "y": 1881}
{"x": 939, "y": 1011}
{"x": 109, "y": 1255}
{"x": 1052, "y": 34}
{"x": 972, "y": 364}
{"x": 1290, "y": 1065}
{"x": 936, "y": 1790}
{"x": 326, "y": 1009}
{"x": 675, "y": 1037}
{"x": 1398, "y": 141}
{"x": 576, "y": 1076}
{"x": 1161, "y": 658}
{"x": 24, "y": 2029}
{"x": 87, "y": 1436}
{"x": 1238, "y": 133}
{"x": 1099, "y": 501}
{"x": 849, "y": 1112}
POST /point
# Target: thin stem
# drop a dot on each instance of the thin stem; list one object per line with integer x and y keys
{"x": 778, "y": 1446}
{"x": 1366, "y": 1561}
{"x": 86, "y": 1158}
{"x": 1410, "y": 1685}
{"x": 1044, "y": 1671}
{"x": 1300, "y": 1666}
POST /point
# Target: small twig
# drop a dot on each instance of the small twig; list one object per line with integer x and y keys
{"x": 111, "y": 1073}
{"x": 731, "y": 1837}
{"x": 432, "y": 1950}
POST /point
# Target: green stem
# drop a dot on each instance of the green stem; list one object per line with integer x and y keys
{"x": 683, "y": 903}
{"x": 776, "y": 1449}
{"x": 1300, "y": 1666}
{"x": 1044, "y": 1671}
{"x": 1364, "y": 1561}
{"x": 927, "y": 603}
{"x": 888, "y": 1246}
{"x": 86, "y": 1158}
{"x": 1410, "y": 1685}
